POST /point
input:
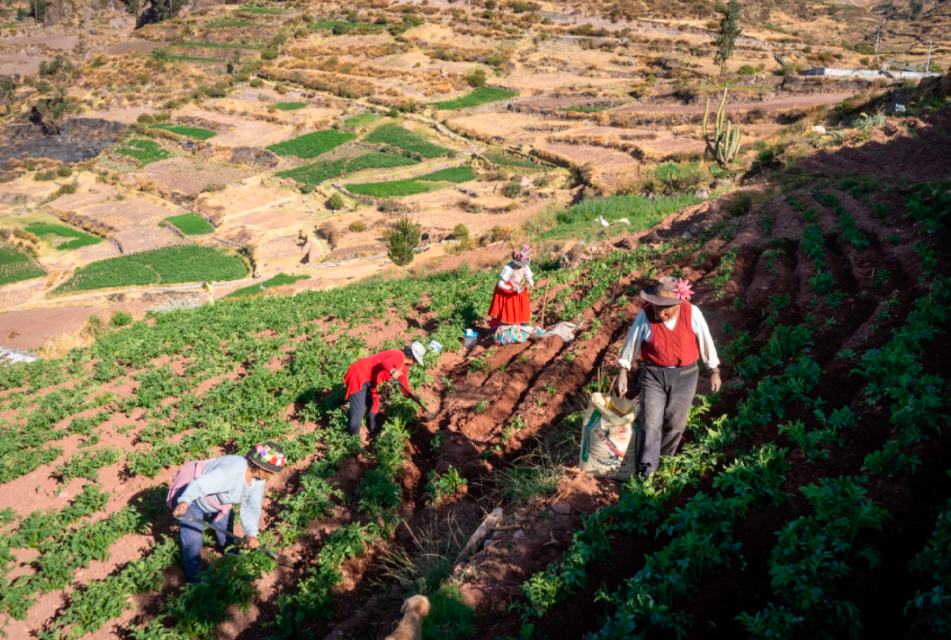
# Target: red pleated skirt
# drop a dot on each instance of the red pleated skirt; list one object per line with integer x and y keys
{"x": 510, "y": 307}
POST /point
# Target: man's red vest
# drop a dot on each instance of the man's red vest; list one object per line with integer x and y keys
{"x": 670, "y": 348}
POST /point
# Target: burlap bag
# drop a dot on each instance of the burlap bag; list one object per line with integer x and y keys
{"x": 607, "y": 437}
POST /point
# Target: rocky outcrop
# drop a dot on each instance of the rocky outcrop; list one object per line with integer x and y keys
{"x": 78, "y": 139}
{"x": 255, "y": 157}
{"x": 58, "y": 11}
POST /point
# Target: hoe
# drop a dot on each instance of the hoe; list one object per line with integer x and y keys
{"x": 281, "y": 559}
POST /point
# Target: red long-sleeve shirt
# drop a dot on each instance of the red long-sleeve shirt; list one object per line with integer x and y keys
{"x": 376, "y": 369}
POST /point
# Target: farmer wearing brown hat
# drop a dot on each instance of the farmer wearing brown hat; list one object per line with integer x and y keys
{"x": 669, "y": 335}
{"x": 206, "y": 490}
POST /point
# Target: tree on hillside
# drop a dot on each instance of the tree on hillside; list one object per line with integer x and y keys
{"x": 38, "y": 11}
{"x": 729, "y": 32}
{"x": 165, "y": 9}
{"x": 402, "y": 239}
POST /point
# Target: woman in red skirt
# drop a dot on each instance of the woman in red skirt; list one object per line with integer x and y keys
{"x": 510, "y": 303}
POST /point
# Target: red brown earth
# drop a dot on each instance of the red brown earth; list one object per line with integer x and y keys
{"x": 515, "y": 386}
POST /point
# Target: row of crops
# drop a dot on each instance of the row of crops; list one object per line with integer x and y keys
{"x": 815, "y": 553}
{"x": 393, "y": 146}
{"x": 16, "y": 266}
{"x": 168, "y": 265}
{"x": 177, "y": 425}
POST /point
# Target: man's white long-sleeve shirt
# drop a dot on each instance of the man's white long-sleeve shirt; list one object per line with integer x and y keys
{"x": 640, "y": 332}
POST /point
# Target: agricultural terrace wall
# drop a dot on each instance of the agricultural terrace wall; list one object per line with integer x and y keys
{"x": 647, "y": 27}
{"x": 868, "y": 73}
{"x": 362, "y": 70}
{"x": 359, "y": 197}
{"x": 322, "y": 81}
{"x": 802, "y": 84}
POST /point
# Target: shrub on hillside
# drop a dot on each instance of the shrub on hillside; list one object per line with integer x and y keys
{"x": 746, "y": 70}
{"x": 476, "y": 78}
{"x": 402, "y": 239}
{"x": 513, "y": 189}
{"x": 120, "y": 319}
{"x": 460, "y": 232}
{"x": 336, "y": 202}
{"x": 358, "y": 226}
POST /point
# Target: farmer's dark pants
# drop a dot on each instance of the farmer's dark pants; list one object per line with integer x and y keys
{"x": 359, "y": 403}
{"x": 666, "y": 395}
{"x": 191, "y": 535}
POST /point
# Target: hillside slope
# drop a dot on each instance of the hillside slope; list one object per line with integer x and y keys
{"x": 825, "y": 286}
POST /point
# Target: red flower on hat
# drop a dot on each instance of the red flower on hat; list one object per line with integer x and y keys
{"x": 683, "y": 290}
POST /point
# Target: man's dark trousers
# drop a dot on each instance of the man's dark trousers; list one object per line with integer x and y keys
{"x": 359, "y": 403}
{"x": 666, "y": 396}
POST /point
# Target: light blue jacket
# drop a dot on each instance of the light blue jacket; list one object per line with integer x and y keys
{"x": 224, "y": 480}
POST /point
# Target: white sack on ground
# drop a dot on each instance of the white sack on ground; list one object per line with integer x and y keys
{"x": 607, "y": 437}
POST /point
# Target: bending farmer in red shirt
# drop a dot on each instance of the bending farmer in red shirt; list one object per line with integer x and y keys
{"x": 670, "y": 335}
{"x": 366, "y": 374}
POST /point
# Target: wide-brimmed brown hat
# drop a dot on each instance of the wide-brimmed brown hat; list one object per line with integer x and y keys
{"x": 666, "y": 292}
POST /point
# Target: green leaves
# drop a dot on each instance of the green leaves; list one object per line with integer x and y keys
{"x": 86, "y": 464}
{"x": 443, "y": 486}
{"x": 934, "y": 564}
{"x": 812, "y": 553}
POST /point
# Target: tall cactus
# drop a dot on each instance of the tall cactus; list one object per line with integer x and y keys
{"x": 725, "y": 142}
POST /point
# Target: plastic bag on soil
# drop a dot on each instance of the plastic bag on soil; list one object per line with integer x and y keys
{"x": 607, "y": 437}
{"x": 511, "y": 334}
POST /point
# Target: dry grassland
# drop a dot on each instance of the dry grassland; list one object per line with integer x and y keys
{"x": 190, "y": 177}
{"x": 509, "y": 128}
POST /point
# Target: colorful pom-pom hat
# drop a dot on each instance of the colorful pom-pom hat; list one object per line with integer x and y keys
{"x": 268, "y": 456}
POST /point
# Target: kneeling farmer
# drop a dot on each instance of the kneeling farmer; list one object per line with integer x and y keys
{"x": 669, "y": 335}
{"x": 366, "y": 374}
{"x": 206, "y": 491}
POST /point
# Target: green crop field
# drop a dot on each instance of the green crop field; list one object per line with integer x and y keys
{"x": 463, "y": 173}
{"x": 16, "y": 265}
{"x": 169, "y": 265}
{"x": 320, "y": 171}
{"x": 191, "y": 224}
{"x": 394, "y": 189}
{"x": 277, "y": 281}
{"x": 197, "y": 59}
{"x": 422, "y": 184}
{"x": 642, "y": 213}
{"x": 289, "y": 106}
{"x": 52, "y": 232}
{"x": 189, "y": 132}
{"x": 507, "y": 160}
{"x": 407, "y": 142}
{"x": 143, "y": 150}
{"x": 261, "y": 10}
{"x": 583, "y": 109}
{"x": 228, "y": 23}
{"x": 311, "y": 145}
{"x": 360, "y": 120}
{"x": 474, "y": 98}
